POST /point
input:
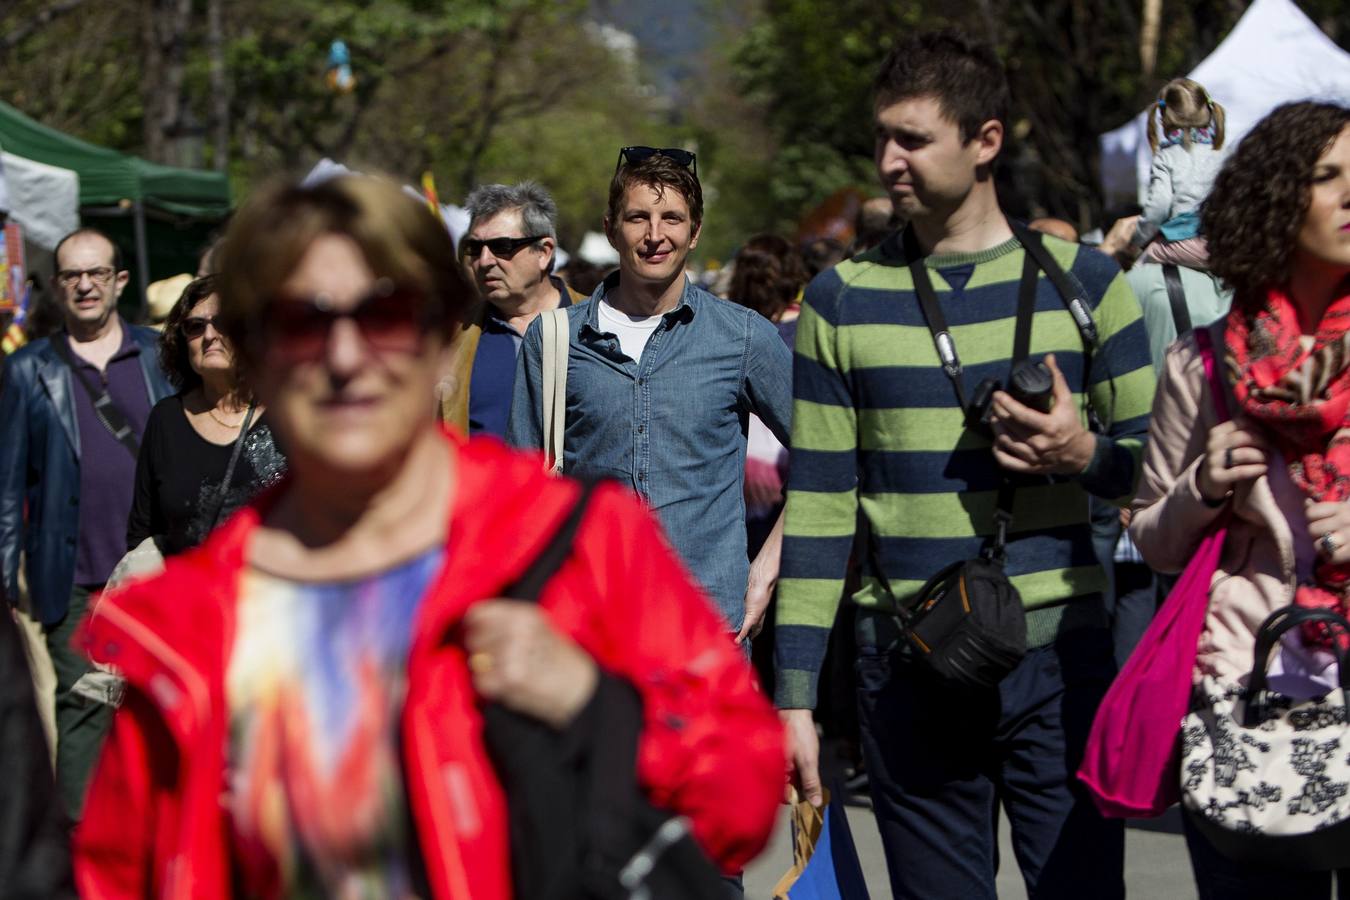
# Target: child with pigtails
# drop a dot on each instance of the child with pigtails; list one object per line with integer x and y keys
{"x": 1186, "y": 158}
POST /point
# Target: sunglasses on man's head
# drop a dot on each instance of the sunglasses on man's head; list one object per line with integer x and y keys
{"x": 631, "y": 156}
{"x": 502, "y": 247}
{"x": 390, "y": 318}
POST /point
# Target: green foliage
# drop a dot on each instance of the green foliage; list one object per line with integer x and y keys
{"x": 1073, "y": 67}
{"x": 778, "y": 107}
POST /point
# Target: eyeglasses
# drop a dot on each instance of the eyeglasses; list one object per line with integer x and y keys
{"x": 633, "y": 155}
{"x": 392, "y": 319}
{"x": 502, "y": 247}
{"x": 194, "y": 327}
{"x": 71, "y": 277}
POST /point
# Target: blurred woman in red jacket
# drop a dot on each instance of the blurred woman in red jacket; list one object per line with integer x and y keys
{"x": 303, "y": 713}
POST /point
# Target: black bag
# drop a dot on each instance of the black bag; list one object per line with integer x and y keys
{"x": 967, "y": 622}
{"x": 581, "y": 828}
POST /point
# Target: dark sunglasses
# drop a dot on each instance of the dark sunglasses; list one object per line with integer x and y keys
{"x": 391, "y": 319}
{"x": 194, "y": 327}
{"x": 631, "y": 156}
{"x": 502, "y": 247}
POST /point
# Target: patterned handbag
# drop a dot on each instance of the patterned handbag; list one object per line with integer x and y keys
{"x": 1266, "y": 777}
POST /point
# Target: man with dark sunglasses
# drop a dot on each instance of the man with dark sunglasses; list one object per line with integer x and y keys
{"x": 509, "y": 250}
{"x": 661, "y": 379}
{"x": 74, "y": 406}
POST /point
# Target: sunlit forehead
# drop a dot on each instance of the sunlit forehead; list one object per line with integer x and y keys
{"x": 333, "y": 270}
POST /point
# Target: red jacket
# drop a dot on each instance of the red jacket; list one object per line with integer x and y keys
{"x": 711, "y": 747}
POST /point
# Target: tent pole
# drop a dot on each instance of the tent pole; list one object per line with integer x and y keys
{"x": 142, "y": 260}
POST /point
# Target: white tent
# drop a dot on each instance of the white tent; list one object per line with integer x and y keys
{"x": 1274, "y": 55}
{"x": 43, "y": 199}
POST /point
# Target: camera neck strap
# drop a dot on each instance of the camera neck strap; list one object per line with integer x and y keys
{"x": 951, "y": 360}
{"x": 106, "y": 410}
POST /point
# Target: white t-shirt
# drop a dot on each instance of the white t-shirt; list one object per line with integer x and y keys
{"x": 632, "y": 331}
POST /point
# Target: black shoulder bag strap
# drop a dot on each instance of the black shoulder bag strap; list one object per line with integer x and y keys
{"x": 1026, "y": 312}
{"x": 105, "y": 408}
{"x": 229, "y": 469}
{"x": 1071, "y": 292}
{"x": 937, "y": 323}
{"x": 531, "y": 584}
{"x": 1068, "y": 288}
{"x": 1176, "y": 296}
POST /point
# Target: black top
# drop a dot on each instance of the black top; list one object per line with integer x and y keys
{"x": 178, "y": 475}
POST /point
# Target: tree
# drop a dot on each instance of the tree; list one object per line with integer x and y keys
{"x": 1073, "y": 65}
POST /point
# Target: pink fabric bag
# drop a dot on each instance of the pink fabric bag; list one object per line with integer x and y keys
{"x": 1130, "y": 764}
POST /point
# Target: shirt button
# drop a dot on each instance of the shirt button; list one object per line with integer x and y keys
{"x": 642, "y": 476}
{"x": 641, "y": 429}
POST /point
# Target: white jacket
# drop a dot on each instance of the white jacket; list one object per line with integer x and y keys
{"x": 1178, "y": 183}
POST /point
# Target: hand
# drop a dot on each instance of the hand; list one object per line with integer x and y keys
{"x": 1125, "y": 516}
{"x": 803, "y": 747}
{"x": 1030, "y": 441}
{"x": 519, "y": 659}
{"x": 1234, "y": 453}
{"x": 1118, "y": 239}
{"x": 758, "y": 593}
{"x": 1330, "y": 518}
{"x": 763, "y": 580}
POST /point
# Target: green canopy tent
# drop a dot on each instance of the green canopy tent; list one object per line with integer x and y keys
{"x": 159, "y": 215}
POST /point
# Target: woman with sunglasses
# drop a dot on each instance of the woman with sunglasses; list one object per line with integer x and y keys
{"x": 305, "y": 690}
{"x": 207, "y": 449}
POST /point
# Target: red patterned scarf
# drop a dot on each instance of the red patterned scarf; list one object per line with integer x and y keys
{"x": 1301, "y": 398}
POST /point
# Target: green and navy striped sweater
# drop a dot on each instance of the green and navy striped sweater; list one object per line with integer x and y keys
{"x": 876, "y": 426}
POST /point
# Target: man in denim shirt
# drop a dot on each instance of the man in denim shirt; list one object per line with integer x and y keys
{"x": 661, "y": 378}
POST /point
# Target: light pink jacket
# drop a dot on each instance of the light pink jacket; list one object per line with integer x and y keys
{"x": 1256, "y": 570}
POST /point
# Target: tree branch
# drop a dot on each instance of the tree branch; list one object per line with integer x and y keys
{"x": 20, "y": 33}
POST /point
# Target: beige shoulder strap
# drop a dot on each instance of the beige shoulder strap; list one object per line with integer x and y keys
{"x": 557, "y": 341}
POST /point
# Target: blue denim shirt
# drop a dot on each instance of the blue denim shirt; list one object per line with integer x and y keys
{"x": 673, "y": 427}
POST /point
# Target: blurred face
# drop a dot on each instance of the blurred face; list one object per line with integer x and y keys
{"x": 87, "y": 284}
{"x": 654, "y": 233}
{"x": 504, "y": 279}
{"x": 207, "y": 351}
{"x": 1324, "y": 237}
{"x": 348, "y": 367}
{"x": 921, "y": 160}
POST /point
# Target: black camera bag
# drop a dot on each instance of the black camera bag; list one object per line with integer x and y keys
{"x": 968, "y": 625}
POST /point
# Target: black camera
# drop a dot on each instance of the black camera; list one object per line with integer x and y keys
{"x": 1030, "y": 383}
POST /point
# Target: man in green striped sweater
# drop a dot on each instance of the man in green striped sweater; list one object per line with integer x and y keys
{"x": 878, "y": 436}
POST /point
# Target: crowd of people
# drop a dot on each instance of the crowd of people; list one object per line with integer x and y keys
{"x": 303, "y": 620}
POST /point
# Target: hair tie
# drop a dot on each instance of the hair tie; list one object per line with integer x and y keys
{"x": 1162, "y": 104}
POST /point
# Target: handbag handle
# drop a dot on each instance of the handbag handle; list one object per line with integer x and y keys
{"x": 1271, "y": 630}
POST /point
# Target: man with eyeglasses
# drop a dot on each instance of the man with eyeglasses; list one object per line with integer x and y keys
{"x": 74, "y": 406}
{"x": 662, "y": 377}
{"x": 509, "y": 250}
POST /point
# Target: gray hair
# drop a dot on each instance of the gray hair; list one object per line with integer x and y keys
{"x": 538, "y": 212}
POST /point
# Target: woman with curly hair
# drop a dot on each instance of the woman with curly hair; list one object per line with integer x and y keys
{"x": 1278, "y": 225}
{"x": 206, "y": 449}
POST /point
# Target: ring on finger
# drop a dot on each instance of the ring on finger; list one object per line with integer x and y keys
{"x": 1329, "y": 543}
{"x": 1228, "y": 458}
